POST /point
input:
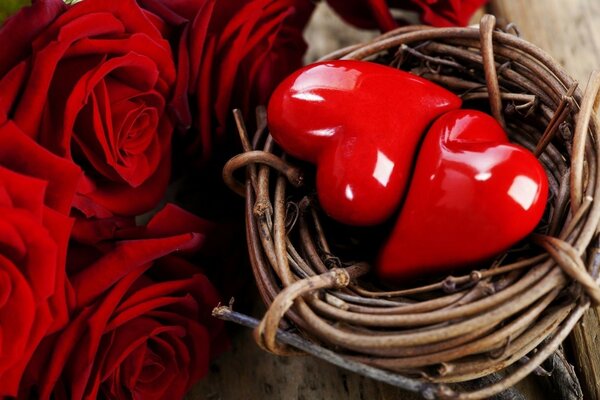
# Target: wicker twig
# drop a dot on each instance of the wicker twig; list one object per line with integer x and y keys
{"x": 560, "y": 116}
{"x": 503, "y": 318}
{"x": 488, "y": 23}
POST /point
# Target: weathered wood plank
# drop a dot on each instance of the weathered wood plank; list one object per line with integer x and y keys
{"x": 585, "y": 341}
{"x": 569, "y": 31}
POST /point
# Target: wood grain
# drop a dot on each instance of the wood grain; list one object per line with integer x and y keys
{"x": 585, "y": 341}
{"x": 569, "y": 31}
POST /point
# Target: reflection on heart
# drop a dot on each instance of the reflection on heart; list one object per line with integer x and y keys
{"x": 360, "y": 123}
{"x": 472, "y": 196}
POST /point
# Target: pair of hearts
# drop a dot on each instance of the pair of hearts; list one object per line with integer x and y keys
{"x": 472, "y": 193}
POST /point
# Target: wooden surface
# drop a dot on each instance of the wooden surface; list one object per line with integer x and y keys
{"x": 586, "y": 348}
{"x": 567, "y": 29}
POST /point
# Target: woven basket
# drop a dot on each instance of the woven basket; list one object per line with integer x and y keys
{"x": 508, "y": 316}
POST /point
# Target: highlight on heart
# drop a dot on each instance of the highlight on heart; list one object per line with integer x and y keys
{"x": 361, "y": 124}
{"x": 389, "y": 145}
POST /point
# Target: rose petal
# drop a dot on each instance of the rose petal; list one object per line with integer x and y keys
{"x": 126, "y": 257}
{"x": 59, "y": 229}
{"x": 93, "y": 231}
{"x": 101, "y": 197}
{"x": 172, "y": 219}
{"x": 366, "y": 14}
{"x": 10, "y": 87}
{"x": 241, "y": 45}
{"x": 14, "y": 326}
{"x": 205, "y": 105}
{"x": 18, "y": 31}
{"x": 448, "y": 12}
{"x": 198, "y": 34}
{"x": 84, "y": 333}
{"x": 44, "y": 65}
{"x": 24, "y": 192}
{"x": 61, "y": 175}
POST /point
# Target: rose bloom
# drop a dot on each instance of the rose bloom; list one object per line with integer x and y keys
{"x": 229, "y": 54}
{"x": 90, "y": 82}
{"x": 142, "y": 325}
{"x": 370, "y": 14}
{"x": 36, "y": 191}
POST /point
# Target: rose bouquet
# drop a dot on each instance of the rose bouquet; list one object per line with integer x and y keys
{"x": 105, "y": 106}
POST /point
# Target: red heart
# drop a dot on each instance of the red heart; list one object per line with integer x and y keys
{"x": 360, "y": 122}
{"x": 472, "y": 196}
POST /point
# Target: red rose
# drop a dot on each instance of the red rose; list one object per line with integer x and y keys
{"x": 142, "y": 326}
{"x": 36, "y": 191}
{"x": 259, "y": 45}
{"x": 445, "y": 12}
{"x": 230, "y": 54}
{"x": 90, "y": 83}
{"x": 365, "y": 14}
{"x": 370, "y": 14}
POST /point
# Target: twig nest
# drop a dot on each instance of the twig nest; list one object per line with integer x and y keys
{"x": 507, "y": 316}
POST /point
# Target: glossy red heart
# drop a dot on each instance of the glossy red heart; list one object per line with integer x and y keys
{"x": 472, "y": 196}
{"x": 360, "y": 122}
